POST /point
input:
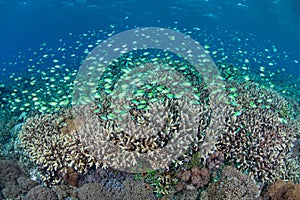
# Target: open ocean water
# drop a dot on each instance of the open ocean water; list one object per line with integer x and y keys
{"x": 150, "y": 99}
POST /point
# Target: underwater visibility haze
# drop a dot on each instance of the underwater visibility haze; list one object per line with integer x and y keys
{"x": 126, "y": 99}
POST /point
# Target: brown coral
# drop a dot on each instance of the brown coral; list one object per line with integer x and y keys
{"x": 41, "y": 193}
{"x": 71, "y": 177}
{"x": 293, "y": 193}
{"x": 215, "y": 161}
{"x": 14, "y": 181}
{"x": 187, "y": 195}
{"x": 134, "y": 189}
{"x": 280, "y": 190}
{"x": 192, "y": 179}
{"x": 200, "y": 177}
{"x": 137, "y": 189}
{"x": 91, "y": 191}
{"x": 186, "y": 175}
{"x": 233, "y": 185}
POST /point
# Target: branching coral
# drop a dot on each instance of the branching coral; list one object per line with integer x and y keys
{"x": 132, "y": 143}
{"x": 146, "y": 125}
{"x": 51, "y": 142}
{"x": 159, "y": 125}
{"x": 258, "y": 133}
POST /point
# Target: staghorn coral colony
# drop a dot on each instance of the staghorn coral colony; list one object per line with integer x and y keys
{"x": 51, "y": 142}
{"x": 155, "y": 119}
{"x": 259, "y": 133}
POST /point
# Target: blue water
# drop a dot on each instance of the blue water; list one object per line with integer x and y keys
{"x": 252, "y": 33}
{"x": 27, "y": 24}
{"x": 268, "y": 31}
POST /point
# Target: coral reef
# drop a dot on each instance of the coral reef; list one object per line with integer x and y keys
{"x": 137, "y": 189}
{"x": 71, "y": 177}
{"x": 215, "y": 161}
{"x": 133, "y": 189}
{"x": 91, "y": 191}
{"x": 41, "y": 193}
{"x": 156, "y": 123}
{"x": 233, "y": 185}
{"x": 293, "y": 193}
{"x": 280, "y": 190}
{"x": 64, "y": 191}
{"x": 258, "y": 133}
{"x": 192, "y": 179}
{"x": 143, "y": 139}
{"x": 6, "y": 124}
{"x": 14, "y": 181}
{"x": 109, "y": 178}
{"x": 160, "y": 182}
{"x": 138, "y": 144}
{"x": 186, "y": 195}
{"x": 254, "y": 131}
{"x": 10, "y": 124}
{"x": 50, "y": 141}
{"x": 163, "y": 184}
